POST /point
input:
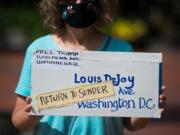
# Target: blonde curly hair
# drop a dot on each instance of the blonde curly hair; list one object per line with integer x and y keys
{"x": 53, "y": 21}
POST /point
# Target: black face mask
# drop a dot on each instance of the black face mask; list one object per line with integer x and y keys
{"x": 79, "y": 15}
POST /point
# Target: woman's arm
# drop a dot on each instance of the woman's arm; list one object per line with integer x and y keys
{"x": 21, "y": 116}
{"x": 134, "y": 124}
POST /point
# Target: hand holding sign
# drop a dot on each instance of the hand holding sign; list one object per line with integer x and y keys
{"x": 162, "y": 99}
{"x": 137, "y": 123}
{"x": 22, "y": 115}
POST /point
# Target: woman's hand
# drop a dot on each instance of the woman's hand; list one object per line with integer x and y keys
{"x": 28, "y": 109}
{"x": 135, "y": 124}
{"x": 162, "y": 100}
{"x": 22, "y": 117}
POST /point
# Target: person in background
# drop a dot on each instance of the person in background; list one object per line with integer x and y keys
{"x": 72, "y": 25}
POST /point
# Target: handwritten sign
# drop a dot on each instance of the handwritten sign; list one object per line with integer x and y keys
{"x": 74, "y": 95}
{"x": 56, "y": 59}
{"x": 134, "y": 90}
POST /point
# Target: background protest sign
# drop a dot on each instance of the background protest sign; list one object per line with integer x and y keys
{"x": 135, "y": 78}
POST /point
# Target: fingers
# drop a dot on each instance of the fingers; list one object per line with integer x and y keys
{"x": 162, "y": 100}
{"x": 28, "y": 108}
{"x": 162, "y": 111}
{"x": 28, "y": 100}
{"x": 28, "y": 111}
{"x": 163, "y": 90}
{"x": 162, "y": 97}
{"x": 163, "y": 87}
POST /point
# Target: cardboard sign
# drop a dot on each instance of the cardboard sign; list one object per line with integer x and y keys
{"x": 96, "y": 83}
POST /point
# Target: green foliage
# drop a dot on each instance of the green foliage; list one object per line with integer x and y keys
{"x": 30, "y": 21}
{"x": 27, "y": 19}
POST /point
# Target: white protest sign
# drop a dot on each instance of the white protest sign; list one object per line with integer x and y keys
{"x": 96, "y": 83}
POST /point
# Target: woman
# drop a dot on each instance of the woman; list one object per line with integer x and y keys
{"x": 73, "y": 27}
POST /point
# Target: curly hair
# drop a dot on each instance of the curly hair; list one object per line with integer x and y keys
{"x": 50, "y": 12}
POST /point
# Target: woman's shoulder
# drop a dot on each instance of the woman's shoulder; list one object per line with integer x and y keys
{"x": 43, "y": 42}
{"x": 117, "y": 44}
